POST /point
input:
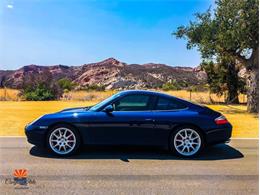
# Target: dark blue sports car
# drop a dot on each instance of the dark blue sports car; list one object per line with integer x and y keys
{"x": 133, "y": 117}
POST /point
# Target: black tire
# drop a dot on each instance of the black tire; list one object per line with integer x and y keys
{"x": 176, "y": 151}
{"x": 71, "y": 130}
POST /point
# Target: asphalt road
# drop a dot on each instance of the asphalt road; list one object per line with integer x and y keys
{"x": 222, "y": 169}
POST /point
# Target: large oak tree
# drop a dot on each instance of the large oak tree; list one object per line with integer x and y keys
{"x": 231, "y": 30}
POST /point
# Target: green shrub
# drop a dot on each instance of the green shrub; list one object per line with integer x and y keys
{"x": 65, "y": 84}
{"x": 95, "y": 87}
{"x": 171, "y": 86}
{"x": 39, "y": 93}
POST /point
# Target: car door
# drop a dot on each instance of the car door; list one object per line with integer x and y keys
{"x": 131, "y": 122}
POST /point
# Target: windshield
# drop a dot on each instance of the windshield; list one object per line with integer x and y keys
{"x": 100, "y": 104}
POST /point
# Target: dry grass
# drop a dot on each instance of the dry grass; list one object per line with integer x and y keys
{"x": 9, "y": 94}
{"x": 87, "y": 95}
{"x": 15, "y": 115}
{"x": 200, "y": 97}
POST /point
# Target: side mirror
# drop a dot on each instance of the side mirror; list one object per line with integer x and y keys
{"x": 109, "y": 108}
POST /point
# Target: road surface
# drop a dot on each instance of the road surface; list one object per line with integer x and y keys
{"x": 222, "y": 169}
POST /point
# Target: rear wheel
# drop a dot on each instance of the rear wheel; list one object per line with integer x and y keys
{"x": 63, "y": 140}
{"x": 186, "y": 141}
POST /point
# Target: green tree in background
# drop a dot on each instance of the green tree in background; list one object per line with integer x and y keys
{"x": 223, "y": 76}
{"x": 231, "y": 30}
{"x": 44, "y": 87}
{"x": 171, "y": 85}
{"x": 65, "y": 84}
{"x": 39, "y": 92}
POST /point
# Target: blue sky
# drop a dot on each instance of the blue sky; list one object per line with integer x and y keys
{"x": 48, "y": 32}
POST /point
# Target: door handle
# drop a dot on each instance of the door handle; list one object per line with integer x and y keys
{"x": 149, "y": 119}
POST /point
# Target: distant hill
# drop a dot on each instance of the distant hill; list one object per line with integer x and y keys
{"x": 110, "y": 73}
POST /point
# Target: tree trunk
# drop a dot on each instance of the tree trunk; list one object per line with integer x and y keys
{"x": 253, "y": 93}
{"x": 253, "y": 85}
{"x": 232, "y": 84}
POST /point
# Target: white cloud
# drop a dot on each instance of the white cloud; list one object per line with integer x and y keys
{"x": 10, "y": 6}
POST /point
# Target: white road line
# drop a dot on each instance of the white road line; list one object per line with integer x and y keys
{"x": 244, "y": 138}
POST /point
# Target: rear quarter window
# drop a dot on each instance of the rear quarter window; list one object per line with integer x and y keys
{"x": 169, "y": 104}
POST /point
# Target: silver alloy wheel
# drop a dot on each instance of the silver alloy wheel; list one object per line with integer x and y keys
{"x": 62, "y": 140}
{"x": 187, "y": 142}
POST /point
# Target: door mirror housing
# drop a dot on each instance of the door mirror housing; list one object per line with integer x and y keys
{"x": 109, "y": 109}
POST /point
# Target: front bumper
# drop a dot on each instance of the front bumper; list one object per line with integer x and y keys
{"x": 36, "y": 135}
{"x": 220, "y": 135}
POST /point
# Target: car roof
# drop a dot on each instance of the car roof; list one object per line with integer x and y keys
{"x": 145, "y": 92}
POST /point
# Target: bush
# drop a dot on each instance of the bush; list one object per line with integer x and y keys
{"x": 65, "y": 84}
{"x": 39, "y": 93}
{"x": 171, "y": 86}
{"x": 95, "y": 87}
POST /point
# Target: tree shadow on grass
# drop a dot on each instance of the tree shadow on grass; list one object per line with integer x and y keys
{"x": 126, "y": 153}
{"x": 232, "y": 110}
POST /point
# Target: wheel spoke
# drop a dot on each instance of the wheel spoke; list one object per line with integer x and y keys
{"x": 56, "y": 144}
{"x": 185, "y": 133}
{"x": 180, "y": 145}
{"x": 55, "y": 136}
{"x": 68, "y": 136}
{"x": 188, "y": 148}
{"x": 194, "y": 138}
{"x": 68, "y": 145}
{"x": 181, "y": 136}
{"x": 183, "y": 149}
{"x": 190, "y": 137}
{"x": 65, "y": 132}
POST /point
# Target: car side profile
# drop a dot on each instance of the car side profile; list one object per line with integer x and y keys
{"x": 133, "y": 117}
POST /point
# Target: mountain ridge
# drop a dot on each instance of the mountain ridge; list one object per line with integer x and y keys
{"x": 111, "y": 73}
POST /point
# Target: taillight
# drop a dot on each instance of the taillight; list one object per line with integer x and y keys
{"x": 221, "y": 120}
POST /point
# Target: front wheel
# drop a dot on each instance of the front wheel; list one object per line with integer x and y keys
{"x": 63, "y": 140}
{"x": 186, "y": 142}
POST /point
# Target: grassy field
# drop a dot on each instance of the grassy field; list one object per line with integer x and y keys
{"x": 9, "y": 94}
{"x": 200, "y": 97}
{"x": 16, "y": 114}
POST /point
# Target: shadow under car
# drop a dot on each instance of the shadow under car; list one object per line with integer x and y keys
{"x": 126, "y": 153}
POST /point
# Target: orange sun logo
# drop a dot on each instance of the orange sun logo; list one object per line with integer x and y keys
{"x": 20, "y": 173}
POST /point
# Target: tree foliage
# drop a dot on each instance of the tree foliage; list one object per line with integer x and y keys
{"x": 231, "y": 30}
{"x": 170, "y": 86}
{"x": 65, "y": 84}
{"x": 39, "y": 93}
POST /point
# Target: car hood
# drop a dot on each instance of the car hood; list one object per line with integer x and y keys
{"x": 76, "y": 109}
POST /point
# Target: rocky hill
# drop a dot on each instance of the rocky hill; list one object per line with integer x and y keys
{"x": 110, "y": 73}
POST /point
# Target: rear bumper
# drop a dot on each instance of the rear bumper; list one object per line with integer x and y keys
{"x": 35, "y": 135}
{"x": 220, "y": 135}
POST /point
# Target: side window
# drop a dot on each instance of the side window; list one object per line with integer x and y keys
{"x": 168, "y": 104}
{"x": 132, "y": 103}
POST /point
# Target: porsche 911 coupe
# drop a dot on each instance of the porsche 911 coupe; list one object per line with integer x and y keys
{"x": 133, "y": 117}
